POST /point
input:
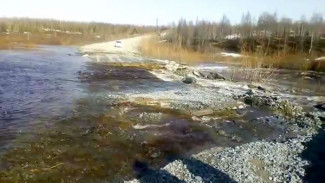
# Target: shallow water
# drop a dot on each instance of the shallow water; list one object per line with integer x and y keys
{"x": 37, "y": 85}
{"x": 58, "y": 125}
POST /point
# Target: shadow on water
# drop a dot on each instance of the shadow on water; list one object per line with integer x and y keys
{"x": 197, "y": 168}
{"x": 315, "y": 154}
{"x": 103, "y": 77}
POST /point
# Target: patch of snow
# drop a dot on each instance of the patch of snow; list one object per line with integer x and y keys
{"x": 141, "y": 127}
{"x": 165, "y": 76}
{"x": 233, "y": 36}
{"x": 172, "y": 66}
{"x": 235, "y": 55}
{"x": 211, "y": 67}
{"x": 320, "y": 58}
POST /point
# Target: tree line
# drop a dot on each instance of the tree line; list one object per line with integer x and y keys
{"x": 267, "y": 35}
{"x": 39, "y": 26}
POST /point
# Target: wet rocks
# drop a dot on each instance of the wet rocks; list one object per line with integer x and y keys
{"x": 148, "y": 117}
{"x": 254, "y": 100}
{"x": 261, "y": 88}
{"x": 253, "y": 162}
{"x": 310, "y": 75}
{"x": 320, "y": 106}
{"x": 183, "y": 71}
{"x": 208, "y": 75}
{"x": 189, "y": 80}
{"x": 250, "y": 92}
{"x": 172, "y": 66}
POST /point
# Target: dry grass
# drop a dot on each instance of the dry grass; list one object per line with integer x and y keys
{"x": 151, "y": 47}
{"x": 283, "y": 61}
{"x": 250, "y": 75}
{"x": 16, "y": 40}
{"x": 15, "y": 44}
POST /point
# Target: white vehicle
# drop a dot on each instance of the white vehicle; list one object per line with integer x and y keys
{"x": 118, "y": 44}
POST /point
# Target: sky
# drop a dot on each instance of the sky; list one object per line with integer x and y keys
{"x": 145, "y": 12}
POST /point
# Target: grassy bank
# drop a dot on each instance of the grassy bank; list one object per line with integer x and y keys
{"x": 18, "y": 40}
{"x": 26, "y": 32}
{"x": 154, "y": 48}
{"x": 297, "y": 61}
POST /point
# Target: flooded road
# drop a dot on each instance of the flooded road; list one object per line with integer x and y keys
{"x": 59, "y": 122}
{"x": 37, "y": 85}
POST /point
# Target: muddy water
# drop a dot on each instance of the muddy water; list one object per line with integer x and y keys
{"x": 58, "y": 125}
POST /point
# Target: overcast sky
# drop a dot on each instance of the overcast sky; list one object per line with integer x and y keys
{"x": 145, "y": 12}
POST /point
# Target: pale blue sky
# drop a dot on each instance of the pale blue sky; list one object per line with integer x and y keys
{"x": 145, "y": 12}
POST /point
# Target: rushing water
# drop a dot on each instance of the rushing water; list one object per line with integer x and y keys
{"x": 57, "y": 124}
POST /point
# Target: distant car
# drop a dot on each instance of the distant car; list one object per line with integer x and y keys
{"x": 118, "y": 44}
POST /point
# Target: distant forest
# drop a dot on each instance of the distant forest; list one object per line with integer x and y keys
{"x": 267, "y": 35}
{"x": 47, "y": 31}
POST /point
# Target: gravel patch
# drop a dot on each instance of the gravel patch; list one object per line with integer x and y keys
{"x": 253, "y": 162}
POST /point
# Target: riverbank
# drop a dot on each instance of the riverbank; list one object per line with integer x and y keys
{"x": 156, "y": 47}
{"x": 112, "y": 115}
{"x": 31, "y": 41}
{"x": 206, "y": 96}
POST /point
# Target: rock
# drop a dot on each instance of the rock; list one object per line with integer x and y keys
{"x": 214, "y": 75}
{"x": 261, "y": 88}
{"x": 236, "y": 138}
{"x": 310, "y": 75}
{"x": 208, "y": 75}
{"x": 182, "y": 71}
{"x": 189, "y": 80}
{"x": 223, "y": 133}
{"x": 155, "y": 155}
{"x": 196, "y": 73}
{"x": 148, "y": 117}
{"x": 172, "y": 66}
{"x": 320, "y": 106}
{"x": 250, "y": 92}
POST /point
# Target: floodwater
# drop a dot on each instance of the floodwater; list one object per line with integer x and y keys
{"x": 36, "y": 85}
{"x": 58, "y": 125}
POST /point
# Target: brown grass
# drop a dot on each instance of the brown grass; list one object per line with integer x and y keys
{"x": 283, "y": 61}
{"x": 18, "y": 40}
{"x": 251, "y": 75}
{"x": 151, "y": 47}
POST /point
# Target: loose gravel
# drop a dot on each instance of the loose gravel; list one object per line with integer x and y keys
{"x": 261, "y": 161}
